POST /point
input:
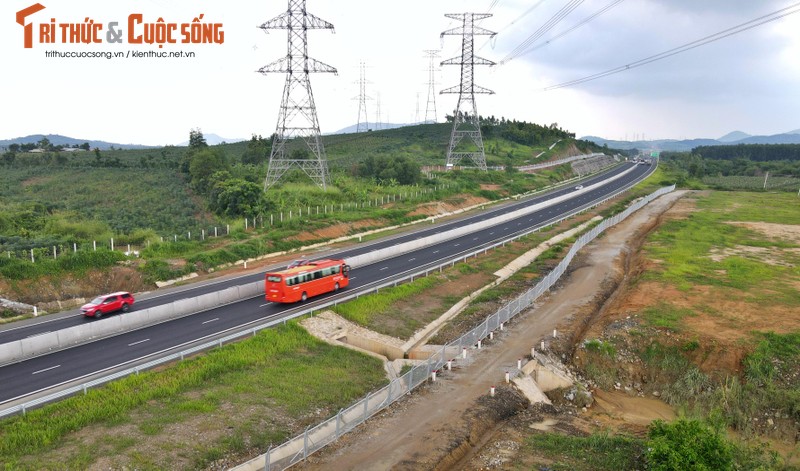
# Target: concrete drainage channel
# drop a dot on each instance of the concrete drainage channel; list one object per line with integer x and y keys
{"x": 47, "y": 343}
{"x": 317, "y": 437}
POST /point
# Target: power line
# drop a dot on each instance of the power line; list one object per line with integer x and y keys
{"x": 554, "y": 20}
{"x": 776, "y": 15}
{"x": 586, "y": 20}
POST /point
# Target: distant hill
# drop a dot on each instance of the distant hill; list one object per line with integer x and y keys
{"x": 59, "y": 140}
{"x": 377, "y": 127}
{"x": 738, "y": 137}
{"x": 734, "y": 136}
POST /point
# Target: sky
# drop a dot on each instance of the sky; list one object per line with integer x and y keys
{"x": 747, "y": 82}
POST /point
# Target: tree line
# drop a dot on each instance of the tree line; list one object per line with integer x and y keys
{"x": 742, "y": 159}
{"x": 754, "y": 152}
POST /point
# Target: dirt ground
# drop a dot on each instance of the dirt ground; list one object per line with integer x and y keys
{"x": 454, "y": 424}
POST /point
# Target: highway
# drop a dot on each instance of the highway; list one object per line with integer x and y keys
{"x": 46, "y": 372}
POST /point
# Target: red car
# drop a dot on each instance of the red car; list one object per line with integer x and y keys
{"x": 108, "y": 303}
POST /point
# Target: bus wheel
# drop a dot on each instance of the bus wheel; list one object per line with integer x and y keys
{"x": 303, "y": 298}
{"x": 336, "y": 287}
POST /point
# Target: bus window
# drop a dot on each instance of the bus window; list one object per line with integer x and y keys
{"x": 346, "y": 270}
{"x": 274, "y": 279}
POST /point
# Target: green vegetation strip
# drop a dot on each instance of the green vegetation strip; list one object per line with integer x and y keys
{"x": 685, "y": 245}
{"x": 285, "y": 367}
{"x": 364, "y": 309}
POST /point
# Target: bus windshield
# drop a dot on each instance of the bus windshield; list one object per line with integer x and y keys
{"x": 274, "y": 278}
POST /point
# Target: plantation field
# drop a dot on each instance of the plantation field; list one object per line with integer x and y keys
{"x": 747, "y": 183}
{"x": 117, "y": 200}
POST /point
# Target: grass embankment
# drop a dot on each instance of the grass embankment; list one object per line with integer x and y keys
{"x": 237, "y": 398}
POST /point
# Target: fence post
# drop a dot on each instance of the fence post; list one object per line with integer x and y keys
{"x": 228, "y": 229}
{"x": 54, "y": 252}
{"x": 74, "y": 247}
{"x": 305, "y": 443}
{"x": 112, "y": 244}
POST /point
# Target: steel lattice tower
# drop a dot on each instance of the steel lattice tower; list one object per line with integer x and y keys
{"x": 466, "y": 122}
{"x": 430, "y": 107}
{"x": 297, "y": 131}
{"x": 362, "y": 101}
{"x": 378, "y": 119}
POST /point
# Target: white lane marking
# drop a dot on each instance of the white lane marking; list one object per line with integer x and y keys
{"x": 436, "y": 251}
{"x": 384, "y": 268}
{"x": 46, "y": 369}
{"x": 456, "y": 245}
{"x": 137, "y": 343}
{"x": 491, "y": 233}
{"x": 352, "y": 278}
{"x": 212, "y": 320}
{"x": 411, "y": 259}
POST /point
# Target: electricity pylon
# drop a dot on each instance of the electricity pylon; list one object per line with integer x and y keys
{"x": 430, "y": 107}
{"x": 466, "y": 122}
{"x": 362, "y": 126}
{"x": 297, "y": 131}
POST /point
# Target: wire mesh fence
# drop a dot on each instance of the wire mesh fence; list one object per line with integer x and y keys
{"x": 315, "y": 438}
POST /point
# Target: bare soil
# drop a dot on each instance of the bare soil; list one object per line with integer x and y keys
{"x": 454, "y": 424}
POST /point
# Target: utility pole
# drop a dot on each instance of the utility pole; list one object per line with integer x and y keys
{"x": 362, "y": 98}
{"x": 416, "y": 111}
{"x": 378, "y": 112}
{"x": 297, "y": 134}
{"x": 466, "y": 122}
{"x": 430, "y": 107}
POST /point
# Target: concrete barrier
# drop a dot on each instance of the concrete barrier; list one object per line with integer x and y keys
{"x": 11, "y": 350}
{"x": 251, "y": 290}
{"x": 71, "y": 336}
{"x": 399, "y": 249}
{"x": 185, "y": 306}
{"x": 38, "y": 345}
{"x": 229, "y": 295}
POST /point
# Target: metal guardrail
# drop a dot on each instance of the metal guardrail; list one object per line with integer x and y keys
{"x": 253, "y": 329}
{"x": 315, "y": 438}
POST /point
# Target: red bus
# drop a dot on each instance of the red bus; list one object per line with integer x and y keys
{"x": 306, "y": 281}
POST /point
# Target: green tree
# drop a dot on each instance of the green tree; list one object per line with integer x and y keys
{"x": 257, "y": 150}
{"x": 687, "y": 444}
{"x": 237, "y": 197}
{"x": 202, "y": 165}
{"x": 196, "y": 139}
{"x": 44, "y": 143}
{"x": 9, "y": 157}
